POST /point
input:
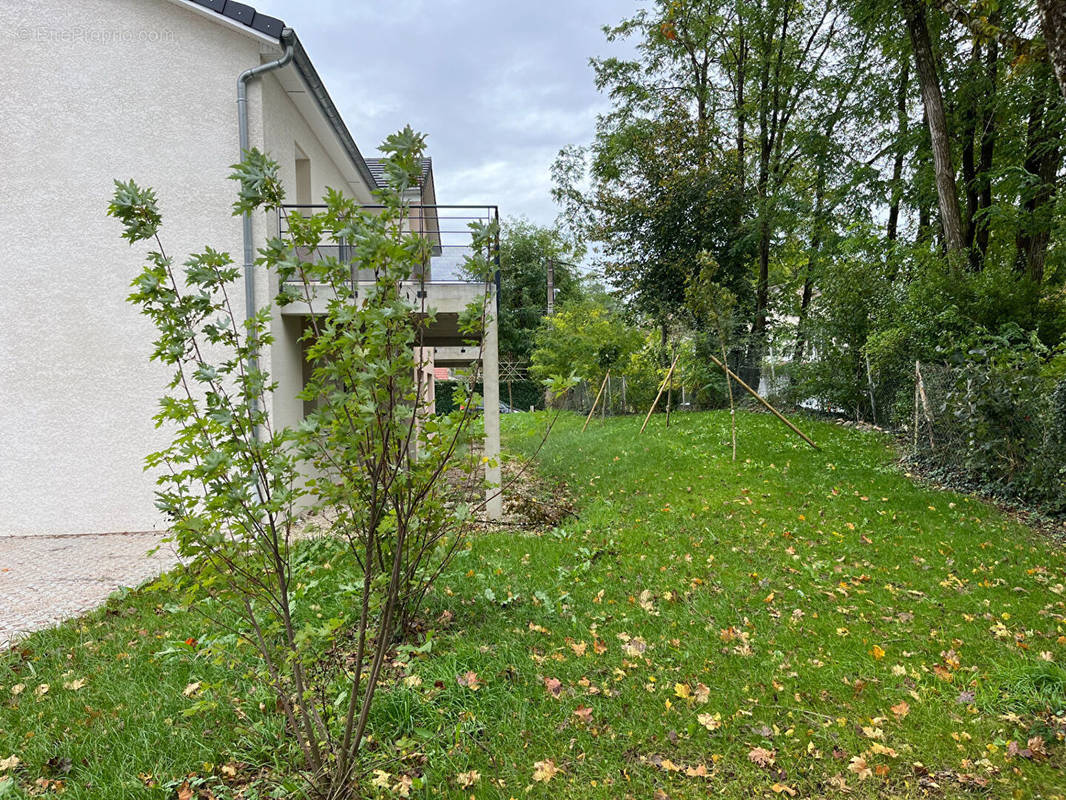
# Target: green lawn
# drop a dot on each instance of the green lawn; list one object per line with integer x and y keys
{"x": 796, "y": 621}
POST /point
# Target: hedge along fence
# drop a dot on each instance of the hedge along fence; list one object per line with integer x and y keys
{"x": 519, "y": 395}
{"x": 996, "y": 423}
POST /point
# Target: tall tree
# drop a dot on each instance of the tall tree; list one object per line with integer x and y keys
{"x": 933, "y": 101}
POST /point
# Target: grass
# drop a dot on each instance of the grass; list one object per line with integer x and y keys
{"x": 796, "y": 621}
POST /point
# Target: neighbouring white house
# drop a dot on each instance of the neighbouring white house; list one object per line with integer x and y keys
{"x": 96, "y": 90}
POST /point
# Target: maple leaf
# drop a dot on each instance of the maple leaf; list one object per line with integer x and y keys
{"x": 75, "y": 685}
{"x": 544, "y": 771}
{"x": 762, "y": 757}
{"x": 901, "y": 709}
{"x": 599, "y": 647}
{"x": 191, "y": 689}
{"x": 554, "y": 686}
{"x": 682, "y": 690}
{"x": 583, "y": 713}
{"x": 185, "y": 791}
{"x": 469, "y": 680}
{"x": 703, "y": 693}
{"x": 877, "y": 652}
{"x": 635, "y": 647}
{"x": 18, "y": 689}
{"x": 859, "y": 766}
{"x": 578, "y": 648}
{"x": 9, "y": 763}
{"x": 711, "y": 722}
{"x": 467, "y": 779}
{"x": 381, "y": 779}
{"x": 41, "y": 690}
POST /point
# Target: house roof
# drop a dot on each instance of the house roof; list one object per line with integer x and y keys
{"x": 275, "y": 28}
{"x": 377, "y": 169}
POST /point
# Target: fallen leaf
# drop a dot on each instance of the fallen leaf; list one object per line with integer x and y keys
{"x": 185, "y": 791}
{"x": 9, "y": 763}
{"x": 469, "y": 680}
{"x": 583, "y": 713}
{"x": 191, "y": 689}
{"x": 75, "y": 685}
{"x": 711, "y": 722}
{"x": 467, "y": 779}
{"x": 778, "y": 788}
{"x": 859, "y": 766}
{"x": 901, "y": 709}
{"x": 761, "y": 756}
{"x": 554, "y": 686}
{"x": 544, "y": 771}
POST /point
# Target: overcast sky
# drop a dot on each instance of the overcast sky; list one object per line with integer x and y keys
{"x": 499, "y": 86}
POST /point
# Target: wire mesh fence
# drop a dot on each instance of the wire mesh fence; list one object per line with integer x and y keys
{"x": 996, "y": 426}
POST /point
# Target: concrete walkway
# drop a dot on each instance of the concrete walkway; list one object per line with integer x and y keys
{"x": 46, "y": 579}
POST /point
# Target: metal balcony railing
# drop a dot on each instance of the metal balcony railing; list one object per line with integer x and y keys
{"x": 445, "y": 227}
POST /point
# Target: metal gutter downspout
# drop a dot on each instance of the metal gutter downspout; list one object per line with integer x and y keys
{"x": 288, "y": 38}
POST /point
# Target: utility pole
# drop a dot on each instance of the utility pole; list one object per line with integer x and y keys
{"x": 551, "y": 286}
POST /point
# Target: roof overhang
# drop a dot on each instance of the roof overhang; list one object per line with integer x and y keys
{"x": 301, "y": 82}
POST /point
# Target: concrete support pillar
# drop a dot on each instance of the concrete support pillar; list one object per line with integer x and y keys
{"x": 490, "y": 374}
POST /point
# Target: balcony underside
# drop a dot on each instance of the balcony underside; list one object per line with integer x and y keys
{"x": 447, "y": 300}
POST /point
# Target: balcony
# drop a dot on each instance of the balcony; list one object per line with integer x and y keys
{"x": 439, "y": 285}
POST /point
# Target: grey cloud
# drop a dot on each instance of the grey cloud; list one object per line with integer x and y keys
{"x": 498, "y": 86}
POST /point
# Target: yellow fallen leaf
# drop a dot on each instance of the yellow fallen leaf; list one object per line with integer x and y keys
{"x": 467, "y": 779}
{"x": 778, "y": 788}
{"x": 191, "y": 689}
{"x": 711, "y": 722}
{"x": 9, "y": 763}
{"x": 75, "y": 685}
{"x": 544, "y": 771}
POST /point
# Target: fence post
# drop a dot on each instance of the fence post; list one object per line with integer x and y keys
{"x": 914, "y": 448}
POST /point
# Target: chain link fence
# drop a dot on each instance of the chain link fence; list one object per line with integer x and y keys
{"x": 998, "y": 427}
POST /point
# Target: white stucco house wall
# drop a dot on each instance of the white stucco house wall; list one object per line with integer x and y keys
{"x": 102, "y": 89}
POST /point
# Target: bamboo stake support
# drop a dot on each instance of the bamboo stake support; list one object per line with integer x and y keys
{"x": 757, "y": 396}
{"x": 662, "y": 388}
{"x": 596, "y": 401}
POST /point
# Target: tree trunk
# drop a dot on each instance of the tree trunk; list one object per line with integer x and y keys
{"x": 933, "y": 100}
{"x": 969, "y": 154}
{"x": 1053, "y": 26}
{"x": 988, "y": 145}
{"x": 897, "y": 164}
{"x": 812, "y": 262}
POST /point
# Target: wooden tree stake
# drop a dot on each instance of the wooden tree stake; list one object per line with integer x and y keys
{"x": 596, "y": 401}
{"x": 757, "y": 396}
{"x": 662, "y": 388}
